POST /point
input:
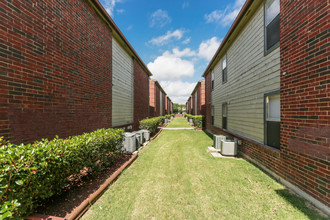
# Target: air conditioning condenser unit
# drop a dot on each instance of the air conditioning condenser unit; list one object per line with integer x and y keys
{"x": 129, "y": 142}
{"x": 217, "y": 141}
{"x": 146, "y": 134}
{"x": 228, "y": 148}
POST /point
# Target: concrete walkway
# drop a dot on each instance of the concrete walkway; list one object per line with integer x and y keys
{"x": 178, "y": 128}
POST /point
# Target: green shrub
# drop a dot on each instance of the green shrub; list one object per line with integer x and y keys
{"x": 173, "y": 115}
{"x": 198, "y": 120}
{"x": 167, "y": 116}
{"x": 30, "y": 173}
{"x": 151, "y": 124}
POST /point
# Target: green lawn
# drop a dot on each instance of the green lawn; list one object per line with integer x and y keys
{"x": 175, "y": 178}
{"x": 178, "y": 122}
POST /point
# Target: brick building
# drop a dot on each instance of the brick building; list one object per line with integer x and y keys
{"x": 197, "y": 99}
{"x": 65, "y": 69}
{"x": 157, "y": 99}
{"x": 268, "y": 86}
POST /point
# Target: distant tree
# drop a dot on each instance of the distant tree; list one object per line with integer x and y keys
{"x": 175, "y": 108}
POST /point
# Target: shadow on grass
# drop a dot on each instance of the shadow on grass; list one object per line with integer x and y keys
{"x": 300, "y": 204}
{"x": 208, "y": 134}
{"x": 292, "y": 198}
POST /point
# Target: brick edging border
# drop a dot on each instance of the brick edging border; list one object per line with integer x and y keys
{"x": 83, "y": 207}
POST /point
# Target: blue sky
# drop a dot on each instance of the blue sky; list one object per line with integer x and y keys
{"x": 176, "y": 39}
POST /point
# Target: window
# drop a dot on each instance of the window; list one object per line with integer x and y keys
{"x": 272, "y": 119}
{"x": 224, "y": 115}
{"x": 272, "y": 24}
{"x": 212, "y": 78}
{"x": 224, "y": 69}
{"x": 212, "y": 115}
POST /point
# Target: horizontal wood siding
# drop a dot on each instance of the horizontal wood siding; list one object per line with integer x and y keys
{"x": 250, "y": 74}
{"x": 122, "y": 86}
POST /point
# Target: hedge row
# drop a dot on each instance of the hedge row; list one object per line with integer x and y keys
{"x": 30, "y": 173}
{"x": 152, "y": 124}
{"x": 199, "y": 120}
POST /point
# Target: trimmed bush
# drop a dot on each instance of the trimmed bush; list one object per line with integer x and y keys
{"x": 198, "y": 120}
{"x": 151, "y": 124}
{"x": 30, "y": 173}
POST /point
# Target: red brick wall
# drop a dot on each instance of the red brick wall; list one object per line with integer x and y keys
{"x": 198, "y": 93}
{"x": 166, "y": 102}
{"x": 202, "y": 98}
{"x": 154, "y": 99}
{"x": 163, "y": 100}
{"x": 208, "y": 101}
{"x": 55, "y": 69}
{"x": 192, "y": 104}
{"x": 305, "y": 95}
{"x": 157, "y": 95}
{"x": 141, "y": 95}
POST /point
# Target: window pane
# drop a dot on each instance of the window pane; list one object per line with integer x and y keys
{"x": 274, "y": 108}
{"x": 224, "y": 62}
{"x": 272, "y": 9}
{"x": 224, "y": 75}
{"x": 224, "y": 110}
{"x": 273, "y": 32}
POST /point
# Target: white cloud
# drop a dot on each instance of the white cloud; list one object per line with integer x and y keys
{"x": 178, "y": 91}
{"x": 110, "y": 6}
{"x": 186, "y": 41}
{"x": 159, "y": 18}
{"x": 208, "y": 48}
{"x": 120, "y": 11}
{"x": 227, "y": 16}
{"x": 164, "y": 39}
{"x": 130, "y": 27}
{"x": 170, "y": 66}
{"x": 187, "y": 52}
{"x": 185, "y": 5}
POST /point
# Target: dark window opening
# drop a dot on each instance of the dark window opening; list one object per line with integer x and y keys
{"x": 272, "y": 24}
{"x": 272, "y": 119}
{"x": 224, "y": 69}
{"x": 224, "y": 115}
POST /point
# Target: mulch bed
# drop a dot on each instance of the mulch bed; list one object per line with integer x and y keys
{"x": 79, "y": 190}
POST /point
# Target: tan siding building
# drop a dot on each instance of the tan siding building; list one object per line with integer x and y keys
{"x": 250, "y": 74}
{"x": 122, "y": 85}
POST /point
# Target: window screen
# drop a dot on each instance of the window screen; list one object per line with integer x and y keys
{"x": 273, "y": 108}
{"x": 224, "y": 115}
{"x": 212, "y": 115}
{"x": 224, "y": 69}
{"x": 272, "y": 23}
{"x": 212, "y": 82}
